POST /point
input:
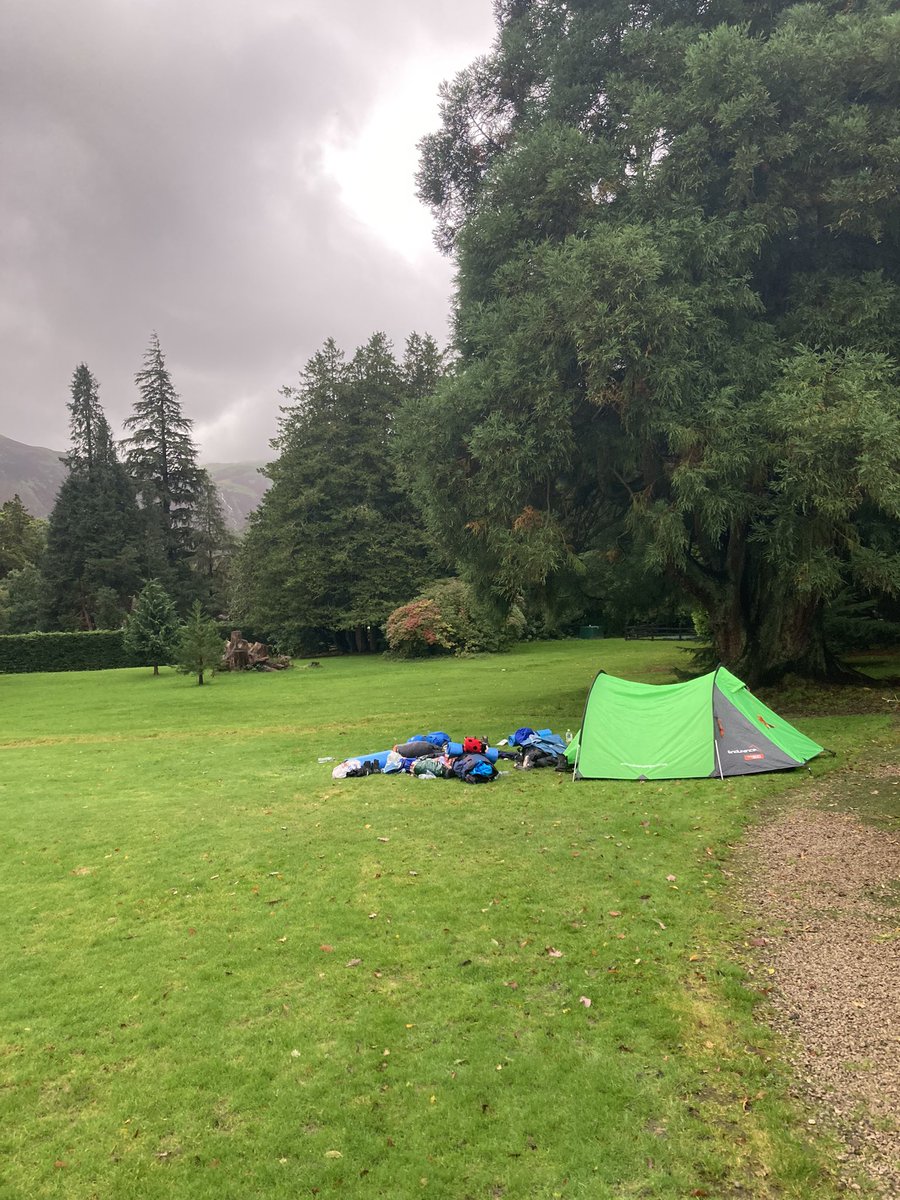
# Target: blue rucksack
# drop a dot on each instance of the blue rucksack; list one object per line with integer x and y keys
{"x": 474, "y": 768}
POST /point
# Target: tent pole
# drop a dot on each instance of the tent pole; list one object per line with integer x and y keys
{"x": 718, "y": 759}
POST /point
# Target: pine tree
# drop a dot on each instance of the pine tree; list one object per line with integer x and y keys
{"x": 151, "y": 628}
{"x": 92, "y": 444}
{"x": 213, "y": 545}
{"x": 335, "y": 545}
{"x": 162, "y": 461}
{"x": 199, "y": 647}
{"x": 95, "y": 536}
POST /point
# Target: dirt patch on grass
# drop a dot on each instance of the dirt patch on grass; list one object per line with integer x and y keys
{"x": 825, "y": 894}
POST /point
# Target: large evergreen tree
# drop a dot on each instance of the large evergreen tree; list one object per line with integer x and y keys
{"x": 162, "y": 460}
{"x": 88, "y": 426}
{"x": 678, "y": 237}
{"x": 94, "y": 556}
{"x": 335, "y": 545}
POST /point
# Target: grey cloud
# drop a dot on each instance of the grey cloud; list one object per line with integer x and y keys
{"x": 162, "y": 169}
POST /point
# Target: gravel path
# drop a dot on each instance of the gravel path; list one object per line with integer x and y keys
{"x": 825, "y": 890}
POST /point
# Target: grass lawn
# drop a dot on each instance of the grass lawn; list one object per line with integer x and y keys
{"x": 225, "y": 975}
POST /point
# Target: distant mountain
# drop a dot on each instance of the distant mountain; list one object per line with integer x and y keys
{"x": 241, "y": 487}
{"x": 35, "y": 474}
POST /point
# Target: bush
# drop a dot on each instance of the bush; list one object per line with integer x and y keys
{"x": 416, "y": 629}
{"x": 448, "y": 618}
{"x": 97, "y": 650}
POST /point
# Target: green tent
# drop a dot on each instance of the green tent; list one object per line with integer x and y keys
{"x": 710, "y": 726}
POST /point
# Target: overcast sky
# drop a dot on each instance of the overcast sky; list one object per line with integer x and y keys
{"x": 236, "y": 174}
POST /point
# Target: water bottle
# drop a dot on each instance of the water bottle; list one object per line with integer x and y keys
{"x": 569, "y": 736}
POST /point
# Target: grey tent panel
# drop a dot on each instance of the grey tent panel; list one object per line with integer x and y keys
{"x": 742, "y": 749}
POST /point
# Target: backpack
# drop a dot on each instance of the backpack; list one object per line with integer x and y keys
{"x": 473, "y": 745}
{"x": 474, "y": 768}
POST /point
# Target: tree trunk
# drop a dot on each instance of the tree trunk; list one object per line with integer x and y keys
{"x": 770, "y": 631}
{"x": 761, "y": 627}
{"x": 373, "y": 639}
{"x": 200, "y": 678}
{"x": 156, "y": 668}
{"x": 360, "y": 638}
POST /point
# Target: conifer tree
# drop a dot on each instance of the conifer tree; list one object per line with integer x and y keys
{"x": 92, "y": 445}
{"x": 151, "y": 628}
{"x": 678, "y": 312}
{"x": 335, "y": 545}
{"x": 162, "y": 460}
{"x": 95, "y": 534}
{"x": 213, "y": 545}
{"x": 199, "y": 647}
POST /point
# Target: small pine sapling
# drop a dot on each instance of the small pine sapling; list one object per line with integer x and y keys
{"x": 199, "y": 648}
{"x": 151, "y": 628}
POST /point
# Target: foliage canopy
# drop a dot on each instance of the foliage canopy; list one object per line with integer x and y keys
{"x": 678, "y": 239}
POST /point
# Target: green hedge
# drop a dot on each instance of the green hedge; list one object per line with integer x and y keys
{"x": 99, "y": 650}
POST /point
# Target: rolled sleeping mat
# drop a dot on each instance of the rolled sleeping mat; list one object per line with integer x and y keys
{"x": 454, "y": 750}
{"x": 380, "y": 756}
{"x": 416, "y": 748}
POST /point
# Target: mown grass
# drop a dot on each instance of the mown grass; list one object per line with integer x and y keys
{"x": 226, "y": 975}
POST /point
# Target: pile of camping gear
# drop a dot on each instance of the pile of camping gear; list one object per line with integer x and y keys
{"x": 473, "y": 760}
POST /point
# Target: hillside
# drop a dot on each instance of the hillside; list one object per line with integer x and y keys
{"x": 32, "y": 472}
{"x": 35, "y": 474}
{"x": 241, "y": 487}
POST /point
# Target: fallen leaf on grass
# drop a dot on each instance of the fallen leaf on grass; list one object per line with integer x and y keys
{"x": 511, "y": 983}
{"x": 326, "y": 948}
{"x": 354, "y": 962}
{"x": 671, "y": 878}
{"x": 614, "y": 913}
{"x": 552, "y": 952}
{"x": 82, "y": 871}
{"x": 585, "y": 1001}
{"x": 381, "y": 839}
{"x": 333, "y": 1154}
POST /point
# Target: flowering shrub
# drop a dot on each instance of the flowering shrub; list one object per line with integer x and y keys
{"x": 448, "y": 618}
{"x": 416, "y": 629}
